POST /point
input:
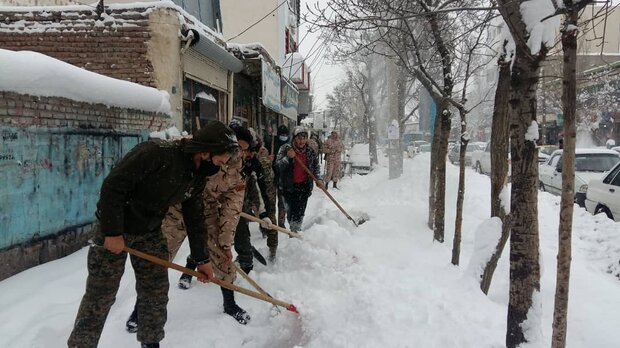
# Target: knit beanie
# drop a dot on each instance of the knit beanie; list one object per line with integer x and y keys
{"x": 214, "y": 138}
{"x": 299, "y": 130}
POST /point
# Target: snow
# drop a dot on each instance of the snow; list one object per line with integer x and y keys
{"x": 148, "y": 5}
{"x": 206, "y": 96}
{"x": 541, "y": 33}
{"x": 486, "y": 237}
{"x": 170, "y": 133}
{"x": 383, "y": 284}
{"x": 532, "y": 132}
{"x": 36, "y": 74}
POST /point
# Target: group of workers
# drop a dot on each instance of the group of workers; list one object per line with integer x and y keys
{"x": 163, "y": 191}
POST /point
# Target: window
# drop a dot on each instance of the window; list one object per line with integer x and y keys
{"x": 202, "y": 104}
{"x": 206, "y": 11}
{"x": 598, "y": 163}
{"x": 613, "y": 178}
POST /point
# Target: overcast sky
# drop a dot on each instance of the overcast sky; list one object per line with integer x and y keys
{"x": 324, "y": 77}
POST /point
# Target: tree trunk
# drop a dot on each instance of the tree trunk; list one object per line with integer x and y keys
{"x": 372, "y": 124}
{"x": 569, "y": 97}
{"x": 456, "y": 244}
{"x": 401, "y": 88}
{"x": 524, "y": 243}
{"x": 500, "y": 130}
{"x": 433, "y": 169}
{"x": 440, "y": 150}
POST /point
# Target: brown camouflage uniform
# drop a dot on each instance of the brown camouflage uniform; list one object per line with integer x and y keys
{"x": 223, "y": 199}
{"x": 332, "y": 148}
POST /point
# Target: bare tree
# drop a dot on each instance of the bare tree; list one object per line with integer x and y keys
{"x": 524, "y": 243}
{"x": 500, "y": 129}
{"x": 569, "y": 98}
{"x": 419, "y": 35}
{"x": 474, "y": 41}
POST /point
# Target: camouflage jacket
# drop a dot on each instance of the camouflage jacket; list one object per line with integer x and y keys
{"x": 223, "y": 200}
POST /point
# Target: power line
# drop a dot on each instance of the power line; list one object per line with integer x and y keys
{"x": 258, "y": 21}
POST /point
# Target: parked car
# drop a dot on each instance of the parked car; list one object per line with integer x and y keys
{"x": 478, "y": 145}
{"x": 425, "y": 148}
{"x": 454, "y": 154}
{"x": 359, "y": 158}
{"x": 603, "y": 194}
{"x": 589, "y": 164}
{"x": 414, "y": 147}
{"x": 616, "y": 148}
{"x": 545, "y": 151}
{"x": 481, "y": 160}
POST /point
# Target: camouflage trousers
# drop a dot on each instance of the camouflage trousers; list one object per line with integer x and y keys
{"x": 332, "y": 169}
{"x": 175, "y": 233}
{"x": 272, "y": 235}
{"x": 281, "y": 209}
{"x": 105, "y": 270}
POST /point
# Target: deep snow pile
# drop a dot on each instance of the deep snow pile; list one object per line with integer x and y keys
{"x": 383, "y": 284}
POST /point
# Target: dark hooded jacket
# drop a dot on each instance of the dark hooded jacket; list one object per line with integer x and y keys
{"x": 285, "y": 165}
{"x": 153, "y": 176}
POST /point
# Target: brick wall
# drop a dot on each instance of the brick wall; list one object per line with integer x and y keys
{"x": 54, "y": 155}
{"x": 114, "y": 45}
{"x": 18, "y": 110}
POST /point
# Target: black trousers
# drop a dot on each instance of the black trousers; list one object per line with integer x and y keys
{"x": 296, "y": 203}
{"x": 243, "y": 246}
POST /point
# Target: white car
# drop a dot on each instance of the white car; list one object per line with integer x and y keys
{"x": 590, "y": 164}
{"x": 481, "y": 160}
{"x": 603, "y": 195}
{"x": 359, "y": 158}
{"x": 414, "y": 147}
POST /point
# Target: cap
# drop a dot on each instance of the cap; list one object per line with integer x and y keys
{"x": 242, "y": 133}
{"x": 214, "y": 137}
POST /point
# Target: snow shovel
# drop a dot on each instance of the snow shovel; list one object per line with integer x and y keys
{"x": 356, "y": 223}
{"x": 271, "y": 227}
{"x": 243, "y": 274}
{"x": 229, "y": 286}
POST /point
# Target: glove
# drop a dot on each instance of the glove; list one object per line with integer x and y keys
{"x": 264, "y": 216}
{"x": 267, "y": 221}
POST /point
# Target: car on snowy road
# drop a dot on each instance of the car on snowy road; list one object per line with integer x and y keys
{"x": 603, "y": 195}
{"x": 590, "y": 164}
{"x": 455, "y": 152}
{"x": 481, "y": 160}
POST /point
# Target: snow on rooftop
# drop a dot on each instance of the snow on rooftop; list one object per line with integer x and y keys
{"x": 203, "y": 29}
{"x": 36, "y": 74}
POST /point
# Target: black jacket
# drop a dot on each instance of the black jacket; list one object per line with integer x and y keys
{"x": 153, "y": 176}
{"x": 253, "y": 165}
{"x": 285, "y": 164}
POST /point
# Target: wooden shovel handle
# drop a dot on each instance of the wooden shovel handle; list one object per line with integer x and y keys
{"x": 230, "y": 286}
{"x": 240, "y": 271}
{"x": 271, "y": 227}
{"x": 324, "y": 190}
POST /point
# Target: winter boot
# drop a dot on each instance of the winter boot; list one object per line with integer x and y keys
{"x": 336, "y": 187}
{"x": 185, "y": 282}
{"x": 231, "y": 308}
{"x": 132, "y": 323}
{"x": 272, "y": 255}
{"x": 149, "y": 345}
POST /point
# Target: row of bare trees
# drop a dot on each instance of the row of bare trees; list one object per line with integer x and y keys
{"x": 440, "y": 45}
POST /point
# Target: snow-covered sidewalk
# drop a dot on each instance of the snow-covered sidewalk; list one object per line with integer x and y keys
{"x": 384, "y": 284}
